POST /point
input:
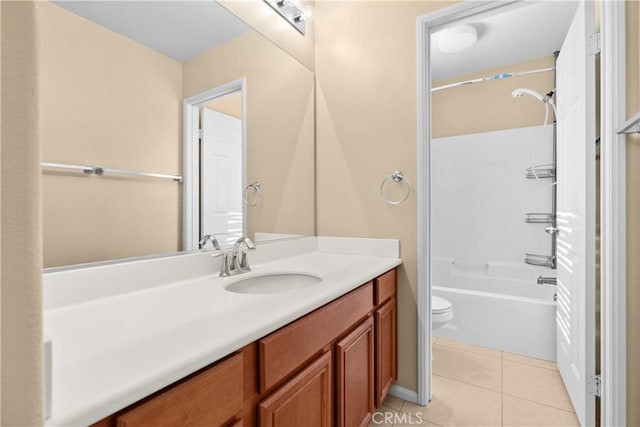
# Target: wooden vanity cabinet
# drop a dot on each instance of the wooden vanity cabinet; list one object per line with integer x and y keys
{"x": 334, "y": 366}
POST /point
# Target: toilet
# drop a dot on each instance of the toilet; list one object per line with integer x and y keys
{"x": 441, "y": 312}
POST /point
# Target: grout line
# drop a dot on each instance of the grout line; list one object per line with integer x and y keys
{"x": 478, "y": 352}
{"x": 555, "y": 369}
{"x": 467, "y": 383}
{"x": 540, "y": 403}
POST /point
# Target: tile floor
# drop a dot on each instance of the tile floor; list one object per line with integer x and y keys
{"x": 477, "y": 386}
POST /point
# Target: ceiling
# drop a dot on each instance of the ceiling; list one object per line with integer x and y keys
{"x": 178, "y": 29}
{"x": 532, "y": 31}
{"x": 185, "y": 29}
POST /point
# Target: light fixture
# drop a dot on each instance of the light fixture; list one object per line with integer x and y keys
{"x": 308, "y": 13}
{"x": 293, "y": 13}
{"x": 457, "y": 39}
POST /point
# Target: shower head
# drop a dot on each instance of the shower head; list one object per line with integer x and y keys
{"x": 546, "y": 99}
{"x": 521, "y": 91}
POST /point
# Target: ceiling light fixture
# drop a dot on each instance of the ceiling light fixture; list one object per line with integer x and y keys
{"x": 457, "y": 39}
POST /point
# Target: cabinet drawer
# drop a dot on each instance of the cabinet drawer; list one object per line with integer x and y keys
{"x": 283, "y": 351}
{"x": 385, "y": 286}
{"x": 210, "y": 398}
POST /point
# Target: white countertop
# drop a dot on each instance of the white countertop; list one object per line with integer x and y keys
{"x": 112, "y": 351}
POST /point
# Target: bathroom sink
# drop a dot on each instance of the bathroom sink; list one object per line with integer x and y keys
{"x": 273, "y": 283}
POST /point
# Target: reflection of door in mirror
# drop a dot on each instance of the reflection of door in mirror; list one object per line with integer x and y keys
{"x": 221, "y": 169}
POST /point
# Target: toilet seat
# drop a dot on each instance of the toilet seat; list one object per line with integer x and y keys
{"x": 439, "y": 305}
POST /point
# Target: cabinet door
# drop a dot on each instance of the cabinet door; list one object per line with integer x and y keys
{"x": 355, "y": 376}
{"x": 386, "y": 350}
{"x": 305, "y": 400}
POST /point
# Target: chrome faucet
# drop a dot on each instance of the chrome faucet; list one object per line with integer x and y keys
{"x": 547, "y": 280}
{"x": 236, "y": 261}
{"x": 239, "y": 262}
{"x": 209, "y": 238}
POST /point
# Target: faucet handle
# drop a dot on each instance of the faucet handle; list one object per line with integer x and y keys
{"x": 243, "y": 265}
{"x": 225, "y": 271}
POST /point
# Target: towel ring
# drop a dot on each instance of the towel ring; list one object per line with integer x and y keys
{"x": 256, "y": 188}
{"x": 396, "y": 176}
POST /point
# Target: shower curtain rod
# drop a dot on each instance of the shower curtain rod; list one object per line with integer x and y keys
{"x": 494, "y": 77}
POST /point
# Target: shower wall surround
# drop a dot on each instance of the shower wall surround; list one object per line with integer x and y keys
{"x": 481, "y": 197}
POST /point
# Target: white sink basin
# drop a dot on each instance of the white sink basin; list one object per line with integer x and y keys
{"x": 273, "y": 283}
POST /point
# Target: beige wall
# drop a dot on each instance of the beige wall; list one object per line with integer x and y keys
{"x": 633, "y": 217}
{"x": 110, "y": 102}
{"x": 269, "y": 23}
{"x": 21, "y": 247}
{"x": 280, "y": 127}
{"x": 366, "y": 129}
{"x": 485, "y": 107}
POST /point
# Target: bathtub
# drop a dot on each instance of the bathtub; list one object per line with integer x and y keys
{"x": 499, "y": 306}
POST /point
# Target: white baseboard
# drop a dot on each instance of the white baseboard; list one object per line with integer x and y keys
{"x": 404, "y": 393}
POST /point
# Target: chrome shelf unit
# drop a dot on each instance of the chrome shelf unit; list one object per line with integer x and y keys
{"x": 543, "y": 171}
{"x": 539, "y": 218}
{"x": 546, "y": 172}
{"x": 540, "y": 260}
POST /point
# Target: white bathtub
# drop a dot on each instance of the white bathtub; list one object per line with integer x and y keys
{"x": 510, "y": 313}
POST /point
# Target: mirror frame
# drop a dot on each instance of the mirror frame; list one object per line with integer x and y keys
{"x": 191, "y": 159}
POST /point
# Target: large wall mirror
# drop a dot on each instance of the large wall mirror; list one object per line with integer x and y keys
{"x": 182, "y": 89}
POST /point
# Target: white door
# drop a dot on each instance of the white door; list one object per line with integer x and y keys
{"x": 221, "y": 176}
{"x": 576, "y": 212}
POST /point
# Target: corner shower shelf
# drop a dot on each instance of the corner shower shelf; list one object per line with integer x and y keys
{"x": 543, "y": 171}
{"x": 539, "y": 218}
{"x": 540, "y": 260}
